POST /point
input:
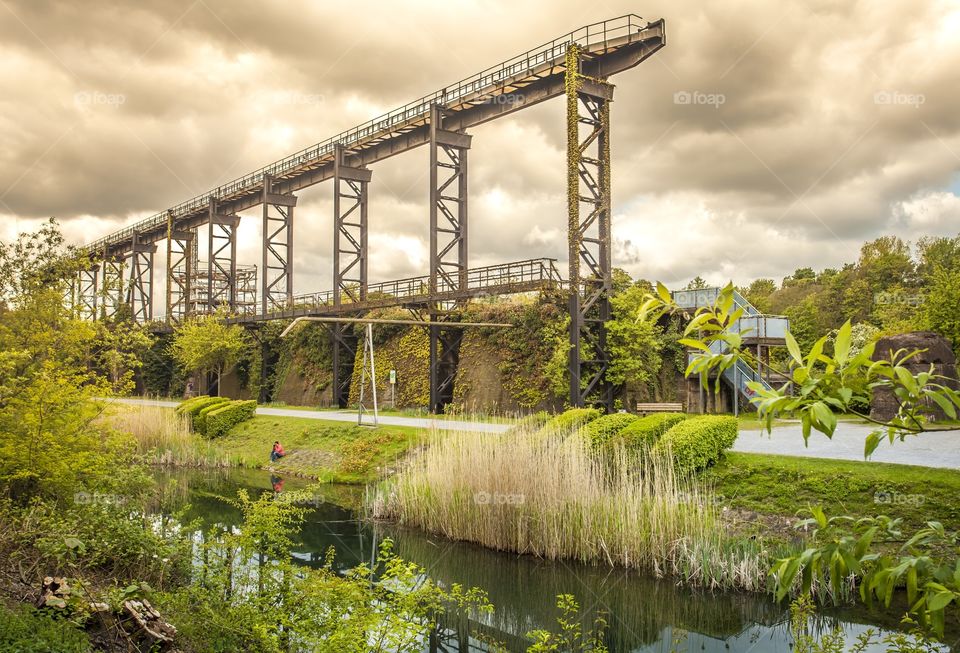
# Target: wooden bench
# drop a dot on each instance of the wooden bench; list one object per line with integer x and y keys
{"x": 643, "y": 409}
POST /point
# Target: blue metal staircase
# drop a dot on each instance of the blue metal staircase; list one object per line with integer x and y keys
{"x": 758, "y": 329}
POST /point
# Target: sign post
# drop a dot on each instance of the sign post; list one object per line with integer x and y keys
{"x": 393, "y": 389}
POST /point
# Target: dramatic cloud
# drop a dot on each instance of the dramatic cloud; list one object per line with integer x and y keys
{"x": 764, "y": 137}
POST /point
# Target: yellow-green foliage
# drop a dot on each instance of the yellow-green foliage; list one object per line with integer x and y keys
{"x": 408, "y": 352}
{"x": 200, "y": 419}
{"x": 531, "y": 423}
{"x": 193, "y": 407}
{"x": 228, "y": 415}
{"x": 645, "y": 431}
{"x": 571, "y": 420}
{"x": 604, "y": 428}
{"x": 698, "y": 442}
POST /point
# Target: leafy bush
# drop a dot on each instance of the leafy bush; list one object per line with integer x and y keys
{"x": 607, "y": 427}
{"x": 27, "y": 631}
{"x": 645, "y": 431}
{"x": 200, "y": 419}
{"x": 219, "y": 421}
{"x": 698, "y": 442}
{"x": 570, "y": 420}
{"x": 193, "y": 407}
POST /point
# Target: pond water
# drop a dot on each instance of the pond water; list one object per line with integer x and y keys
{"x": 643, "y": 613}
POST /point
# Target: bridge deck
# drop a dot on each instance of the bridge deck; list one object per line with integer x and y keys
{"x": 609, "y": 47}
{"x": 502, "y": 279}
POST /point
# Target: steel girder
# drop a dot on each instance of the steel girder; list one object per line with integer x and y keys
{"x": 181, "y": 268}
{"x": 140, "y": 289}
{"x": 588, "y": 204}
{"x": 448, "y": 250}
{"x": 221, "y": 259}
{"x": 277, "y": 249}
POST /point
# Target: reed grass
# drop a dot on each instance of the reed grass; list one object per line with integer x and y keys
{"x": 555, "y": 496}
{"x": 165, "y": 438}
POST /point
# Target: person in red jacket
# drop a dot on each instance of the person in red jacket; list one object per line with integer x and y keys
{"x": 277, "y": 452}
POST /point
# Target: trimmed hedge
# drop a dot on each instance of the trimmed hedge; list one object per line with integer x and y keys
{"x": 604, "y": 429}
{"x": 223, "y": 418}
{"x": 186, "y": 404}
{"x": 645, "y": 431}
{"x": 193, "y": 407}
{"x": 698, "y": 442}
{"x": 571, "y": 420}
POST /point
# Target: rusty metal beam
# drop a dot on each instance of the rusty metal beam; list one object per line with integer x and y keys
{"x": 277, "y": 259}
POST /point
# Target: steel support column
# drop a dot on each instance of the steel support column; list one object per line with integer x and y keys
{"x": 221, "y": 259}
{"x": 85, "y": 298}
{"x": 349, "y": 230}
{"x": 349, "y": 264}
{"x": 448, "y": 250}
{"x": 181, "y": 267}
{"x": 112, "y": 289}
{"x": 277, "y": 261}
{"x": 140, "y": 290}
{"x": 343, "y": 346}
{"x": 588, "y": 204}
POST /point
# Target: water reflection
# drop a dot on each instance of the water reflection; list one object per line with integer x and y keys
{"x": 643, "y": 613}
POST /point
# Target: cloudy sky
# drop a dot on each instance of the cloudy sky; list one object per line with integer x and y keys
{"x": 821, "y": 123}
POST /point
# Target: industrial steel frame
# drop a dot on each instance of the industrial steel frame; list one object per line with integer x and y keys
{"x": 588, "y": 232}
{"x": 277, "y": 259}
{"x": 576, "y": 65}
{"x": 221, "y": 259}
{"x": 448, "y": 251}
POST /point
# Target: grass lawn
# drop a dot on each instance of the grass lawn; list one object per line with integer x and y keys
{"x": 327, "y": 450}
{"x": 783, "y": 485}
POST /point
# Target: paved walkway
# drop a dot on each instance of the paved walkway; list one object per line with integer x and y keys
{"x": 351, "y": 416}
{"x": 941, "y": 449}
{"x": 928, "y": 450}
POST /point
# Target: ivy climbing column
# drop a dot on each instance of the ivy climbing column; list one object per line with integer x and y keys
{"x": 588, "y": 232}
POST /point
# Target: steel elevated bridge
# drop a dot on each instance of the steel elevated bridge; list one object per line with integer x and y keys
{"x": 577, "y": 65}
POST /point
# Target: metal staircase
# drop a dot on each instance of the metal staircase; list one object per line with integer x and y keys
{"x": 760, "y": 331}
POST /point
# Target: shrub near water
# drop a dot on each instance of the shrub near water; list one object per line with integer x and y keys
{"x": 225, "y": 417}
{"x": 645, "y": 431}
{"x": 602, "y": 429}
{"x": 698, "y": 442}
{"x": 558, "y": 497}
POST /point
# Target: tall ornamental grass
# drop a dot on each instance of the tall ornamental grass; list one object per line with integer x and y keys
{"x": 164, "y": 437}
{"x": 554, "y": 495}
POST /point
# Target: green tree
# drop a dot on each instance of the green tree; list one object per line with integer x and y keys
{"x": 634, "y": 344}
{"x": 758, "y": 293}
{"x": 49, "y": 442}
{"x": 940, "y": 308}
{"x": 208, "y": 344}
